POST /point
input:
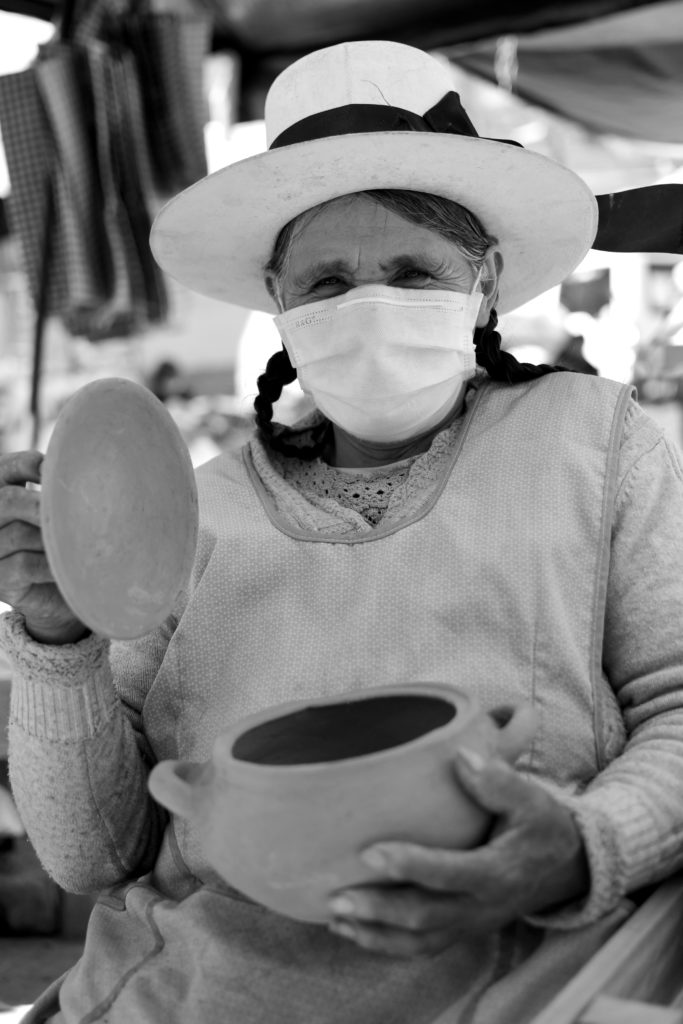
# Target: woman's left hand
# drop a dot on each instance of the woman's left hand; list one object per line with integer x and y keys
{"x": 533, "y": 860}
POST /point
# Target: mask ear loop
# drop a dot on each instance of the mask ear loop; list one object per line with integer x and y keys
{"x": 475, "y": 286}
{"x": 480, "y": 271}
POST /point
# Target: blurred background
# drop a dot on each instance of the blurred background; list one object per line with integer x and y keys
{"x": 109, "y": 107}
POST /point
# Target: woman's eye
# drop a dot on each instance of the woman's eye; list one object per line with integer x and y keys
{"x": 412, "y": 274}
{"x": 327, "y": 282}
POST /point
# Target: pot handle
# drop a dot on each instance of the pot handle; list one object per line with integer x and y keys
{"x": 167, "y": 784}
{"x": 516, "y": 725}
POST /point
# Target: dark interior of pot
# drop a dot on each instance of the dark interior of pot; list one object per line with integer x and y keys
{"x": 335, "y": 732}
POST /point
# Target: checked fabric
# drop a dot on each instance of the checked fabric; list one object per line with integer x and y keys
{"x": 110, "y": 123}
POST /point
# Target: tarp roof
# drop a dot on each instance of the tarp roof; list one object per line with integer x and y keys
{"x": 271, "y": 26}
{"x": 614, "y": 66}
{"x": 620, "y": 74}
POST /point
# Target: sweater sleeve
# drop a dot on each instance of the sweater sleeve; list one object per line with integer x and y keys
{"x": 78, "y": 756}
{"x": 631, "y": 814}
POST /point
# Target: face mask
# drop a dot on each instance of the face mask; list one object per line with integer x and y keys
{"x": 383, "y": 363}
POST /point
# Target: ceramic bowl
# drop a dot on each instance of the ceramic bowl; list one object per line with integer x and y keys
{"x": 118, "y": 508}
{"x": 293, "y": 794}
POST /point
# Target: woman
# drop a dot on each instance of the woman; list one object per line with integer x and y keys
{"x": 511, "y": 529}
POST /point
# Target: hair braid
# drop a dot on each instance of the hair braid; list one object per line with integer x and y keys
{"x": 310, "y": 443}
{"x": 501, "y": 365}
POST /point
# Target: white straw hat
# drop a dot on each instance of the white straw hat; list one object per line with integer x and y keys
{"x": 367, "y": 115}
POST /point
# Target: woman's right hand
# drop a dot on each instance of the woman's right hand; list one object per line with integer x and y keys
{"x": 26, "y": 582}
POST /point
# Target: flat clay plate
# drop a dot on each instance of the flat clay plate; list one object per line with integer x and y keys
{"x": 118, "y": 508}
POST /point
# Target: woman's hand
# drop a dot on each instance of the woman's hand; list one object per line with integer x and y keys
{"x": 533, "y": 860}
{"x": 26, "y": 582}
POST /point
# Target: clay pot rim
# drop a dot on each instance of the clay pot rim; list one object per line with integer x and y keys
{"x": 233, "y": 768}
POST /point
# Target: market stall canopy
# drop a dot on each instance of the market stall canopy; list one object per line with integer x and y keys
{"x": 615, "y": 66}
{"x": 270, "y": 26}
{"x": 621, "y": 74}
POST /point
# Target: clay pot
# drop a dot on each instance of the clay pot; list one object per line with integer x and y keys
{"x": 293, "y": 794}
{"x": 118, "y": 508}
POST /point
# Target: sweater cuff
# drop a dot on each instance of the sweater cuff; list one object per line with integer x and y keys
{"x": 617, "y": 833}
{"x": 59, "y": 691}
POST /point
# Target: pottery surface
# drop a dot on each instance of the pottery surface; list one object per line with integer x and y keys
{"x": 293, "y": 794}
{"x": 118, "y": 508}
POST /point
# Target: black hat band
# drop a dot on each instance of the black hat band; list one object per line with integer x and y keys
{"x": 447, "y": 116}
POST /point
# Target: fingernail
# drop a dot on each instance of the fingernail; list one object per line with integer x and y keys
{"x": 342, "y": 905}
{"x": 342, "y": 928}
{"x": 375, "y": 859}
{"x": 474, "y": 761}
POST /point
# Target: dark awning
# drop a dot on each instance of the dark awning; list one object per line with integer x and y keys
{"x": 615, "y": 66}
{"x": 271, "y": 26}
{"x": 621, "y": 74}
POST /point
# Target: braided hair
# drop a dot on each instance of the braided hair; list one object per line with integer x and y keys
{"x": 306, "y": 445}
{"x": 453, "y": 222}
{"x": 501, "y": 365}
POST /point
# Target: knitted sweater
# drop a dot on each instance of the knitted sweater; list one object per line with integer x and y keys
{"x": 87, "y": 721}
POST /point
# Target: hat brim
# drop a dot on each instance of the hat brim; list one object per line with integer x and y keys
{"x": 216, "y": 236}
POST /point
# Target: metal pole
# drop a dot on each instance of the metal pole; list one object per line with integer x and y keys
{"x": 43, "y": 296}
{"x": 65, "y": 30}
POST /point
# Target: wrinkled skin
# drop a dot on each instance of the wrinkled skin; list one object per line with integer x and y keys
{"x": 534, "y": 859}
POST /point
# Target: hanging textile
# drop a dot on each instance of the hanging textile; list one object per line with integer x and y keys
{"x": 111, "y": 123}
{"x": 78, "y": 194}
{"x": 29, "y": 153}
{"x": 169, "y": 50}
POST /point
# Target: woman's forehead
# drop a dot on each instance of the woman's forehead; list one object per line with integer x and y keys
{"x": 359, "y": 226}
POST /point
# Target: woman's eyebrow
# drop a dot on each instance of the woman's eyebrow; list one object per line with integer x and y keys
{"x": 415, "y": 260}
{"x": 320, "y": 269}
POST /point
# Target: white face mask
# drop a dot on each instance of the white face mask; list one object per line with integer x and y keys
{"x": 383, "y": 363}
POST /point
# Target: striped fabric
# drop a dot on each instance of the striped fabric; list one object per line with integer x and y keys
{"x": 170, "y": 50}
{"x": 113, "y": 123}
{"x": 60, "y": 84}
{"x": 30, "y": 159}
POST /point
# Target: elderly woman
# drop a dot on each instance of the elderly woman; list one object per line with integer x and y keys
{"x": 445, "y": 513}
